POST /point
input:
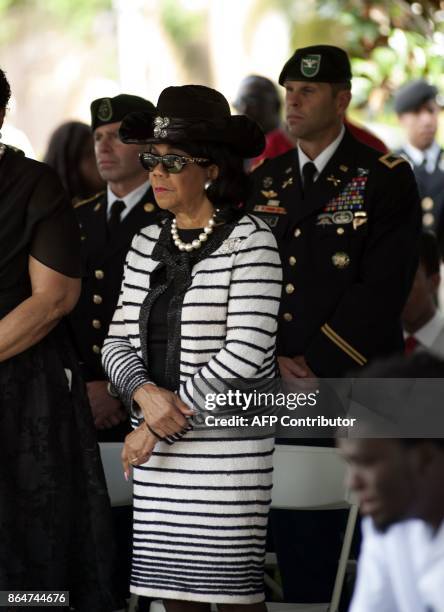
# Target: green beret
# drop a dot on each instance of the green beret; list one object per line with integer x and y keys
{"x": 412, "y": 95}
{"x": 319, "y": 64}
{"x": 111, "y": 110}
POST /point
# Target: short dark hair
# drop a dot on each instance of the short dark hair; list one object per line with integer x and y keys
{"x": 429, "y": 253}
{"x": 64, "y": 154}
{"x": 5, "y": 90}
{"x": 267, "y": 87}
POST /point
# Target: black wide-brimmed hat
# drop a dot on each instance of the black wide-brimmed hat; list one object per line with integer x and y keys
{"x": 111, "y": 110}
{"x": 318, "y": 64}
{"x": 194, "y": 113}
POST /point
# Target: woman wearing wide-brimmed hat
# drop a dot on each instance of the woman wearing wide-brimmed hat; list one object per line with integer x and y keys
{"x": 198, "y": 307}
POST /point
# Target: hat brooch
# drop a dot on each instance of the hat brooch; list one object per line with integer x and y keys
{"x": 160, "y": 123}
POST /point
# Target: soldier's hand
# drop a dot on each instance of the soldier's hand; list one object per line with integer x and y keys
{"x": 107, "y": 411}
{"x": 162, "y": 410}
{"x": 296, "y": 375}
{"x": 290, "y": 367}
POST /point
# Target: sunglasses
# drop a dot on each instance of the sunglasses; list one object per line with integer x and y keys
{"x": 171, "y": 162}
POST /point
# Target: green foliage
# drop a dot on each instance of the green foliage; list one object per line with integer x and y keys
{"x": 76, "y": 16}
{"x": 182, "y": 25}
{"x": 389, "y": 42}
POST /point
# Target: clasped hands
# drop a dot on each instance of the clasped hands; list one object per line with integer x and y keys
{"x": 164, "y": 414}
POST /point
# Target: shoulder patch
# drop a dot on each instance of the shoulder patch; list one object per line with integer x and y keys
{"x": 391, "y": 161}
{"x": 257, "y": 165}
{"x": 91, "y": 199}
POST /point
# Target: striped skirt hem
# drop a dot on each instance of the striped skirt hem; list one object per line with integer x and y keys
{"x": 200, "y": 520}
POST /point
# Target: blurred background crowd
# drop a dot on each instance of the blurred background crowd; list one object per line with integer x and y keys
{"x": 60, "y": 55}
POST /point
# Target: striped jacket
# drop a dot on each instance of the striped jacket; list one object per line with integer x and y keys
{"x": 227, "y": 321}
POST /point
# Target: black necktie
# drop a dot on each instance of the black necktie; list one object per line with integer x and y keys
{"x": 114, "y": 218}
{"x": 308, "y": 172}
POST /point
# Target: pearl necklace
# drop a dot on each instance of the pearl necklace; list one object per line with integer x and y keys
{"x": 197, "y": 243}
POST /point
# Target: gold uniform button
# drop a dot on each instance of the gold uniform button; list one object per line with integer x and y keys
{"x": 96, "y": 349}
{"x": 97, "y": 299}
{"x": 292, "y": 260}
{"x": 297, "y": 232}
{"x": 289, "y": 288}
{"x": 99, "y": 274}
{"x": 288, "y": 316}
{"x": 96, "y": 324}
{"x": 340, "y": 231}
{"x": 148, "y": 207}
{"x": 428, "y": 219}
{"x": 427, "y": 203}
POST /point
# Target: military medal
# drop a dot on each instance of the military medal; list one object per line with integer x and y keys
{"x": 342, "y": 217}
{"x": 340, "y": 259}
{"x": 360, "y": 217}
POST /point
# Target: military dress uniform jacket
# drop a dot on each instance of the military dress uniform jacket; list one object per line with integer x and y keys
{"x": 102, "y": 263}
{"x": 431, "y": 191}
{"x": 349, "y": 252}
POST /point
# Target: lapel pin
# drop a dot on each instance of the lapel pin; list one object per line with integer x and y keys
{"x": 288, "y": 170}
{"x": 97, "y": 207}
{"x": 148, "y": 207}
{"x": 343, "y": 168}
{"x": 334, "y": 180}
{"x": 289, "y": 181}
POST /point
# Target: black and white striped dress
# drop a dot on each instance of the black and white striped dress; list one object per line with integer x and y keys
{"x": 201, "y": 503}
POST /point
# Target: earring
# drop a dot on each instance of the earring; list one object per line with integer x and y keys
{"x": 208, "y": 183}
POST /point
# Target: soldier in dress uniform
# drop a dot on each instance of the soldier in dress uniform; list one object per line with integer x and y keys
{"x": 418, "y": 111}
{"x": 108, "y": 221}
{"x": 347, "y": 222}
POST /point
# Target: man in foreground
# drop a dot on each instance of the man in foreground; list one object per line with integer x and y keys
{"x": 401, "y": 565}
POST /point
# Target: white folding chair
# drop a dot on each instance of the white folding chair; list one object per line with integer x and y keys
{"x": 120, "y": 491}
{"x": 312, "y": 478}
{"x": 308, "y": 478}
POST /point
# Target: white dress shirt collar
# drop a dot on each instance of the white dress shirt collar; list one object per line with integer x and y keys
{"x": 430, "y": 155}
{"x": 428, "y": 333}
{"x": 130, "y": 200}
{"x": 323, "y": 158}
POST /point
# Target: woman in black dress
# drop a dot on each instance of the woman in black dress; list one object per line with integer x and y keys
{"x": 54, "y": 506}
